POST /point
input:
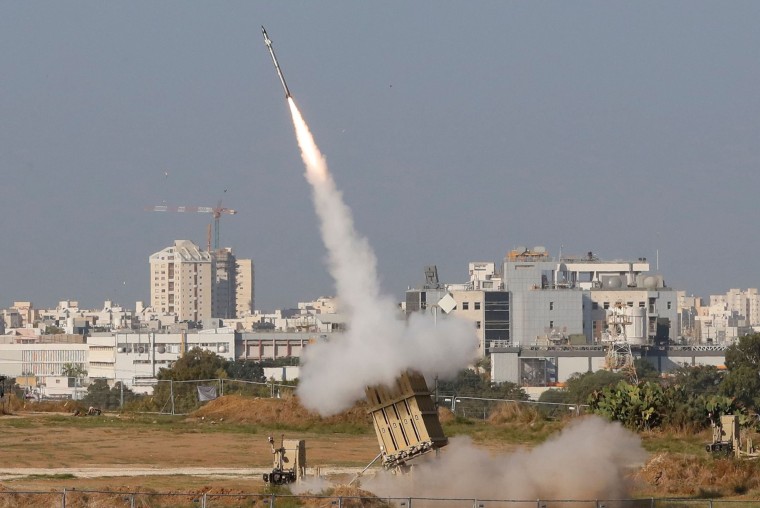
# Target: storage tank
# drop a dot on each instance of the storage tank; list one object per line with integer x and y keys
{"x": 635, "y": 329}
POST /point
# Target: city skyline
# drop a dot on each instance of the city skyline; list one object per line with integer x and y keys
{"x": 455, "y": 134}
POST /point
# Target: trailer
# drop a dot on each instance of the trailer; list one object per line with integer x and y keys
{"x": 406, "y": 421}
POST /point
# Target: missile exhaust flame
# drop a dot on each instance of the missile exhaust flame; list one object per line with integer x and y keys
{"x": 587, "y": 460}
{"x": 377, "y": 347}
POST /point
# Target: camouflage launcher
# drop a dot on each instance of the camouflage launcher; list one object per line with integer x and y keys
{"x": 405, "y": 419}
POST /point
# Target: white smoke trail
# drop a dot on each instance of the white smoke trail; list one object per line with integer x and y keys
{"x": 378, "y": 346}
{"x": 589, "y": 459}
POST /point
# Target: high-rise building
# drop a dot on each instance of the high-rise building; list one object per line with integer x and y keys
{"x": 224, "y": 292}
{"x": 244, "y": 287}
{"x": 181, "y": 281}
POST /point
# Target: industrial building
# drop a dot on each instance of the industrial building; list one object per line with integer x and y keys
{"x": 554, "y": 365}
{"x": 559, "y": 300}
{"x": 482, "y": 301}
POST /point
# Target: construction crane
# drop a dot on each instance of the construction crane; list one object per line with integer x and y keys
{"x": 216, "y": 212}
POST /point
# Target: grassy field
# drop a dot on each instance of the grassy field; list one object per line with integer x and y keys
{"x": 233, "y": 434}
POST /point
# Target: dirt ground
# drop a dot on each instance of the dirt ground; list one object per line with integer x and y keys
{"x": 55, "y": 450}
{"x": 224, "y": 448}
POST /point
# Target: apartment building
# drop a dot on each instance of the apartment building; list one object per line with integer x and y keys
{"x": 181, "y": 281}
{"x": 244, "y": 288}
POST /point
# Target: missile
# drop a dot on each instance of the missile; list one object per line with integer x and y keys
{"x": 268, "y": 42}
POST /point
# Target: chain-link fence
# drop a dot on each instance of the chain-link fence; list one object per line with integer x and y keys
{"x": 184, "y": 397}
{"x": 485, "y": 408}
{"x": 92, "y": 498}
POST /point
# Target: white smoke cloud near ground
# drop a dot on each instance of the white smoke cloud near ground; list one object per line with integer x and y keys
{"x": 587, "y": 460}
{"x": 378, "y": 346}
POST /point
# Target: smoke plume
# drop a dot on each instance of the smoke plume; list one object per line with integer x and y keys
{"x": 589, "y": 459}
{"x": 378, "y": 346}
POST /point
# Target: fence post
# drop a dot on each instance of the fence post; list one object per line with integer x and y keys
{"x": 271, "y": 501}
{"x": 203, "y": 500}
{"x": 63, "y": 501}
{"x": 221, "y": 389}
{"x": 131, "y": 501}
{"x": 340, "y": 499}
{"x": 171, "y": 393}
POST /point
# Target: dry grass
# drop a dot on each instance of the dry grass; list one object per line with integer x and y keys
{"x": 668, "y": 474}
{"x": 287, "y": 411}
{"x": 514, "y": 413}
{"x": 445, "y": 415}
{"x": 14, "y": 404}
{"x": 352, "y": 497}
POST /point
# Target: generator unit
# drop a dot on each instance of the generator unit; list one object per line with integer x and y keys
{"x": 289, "y": 461}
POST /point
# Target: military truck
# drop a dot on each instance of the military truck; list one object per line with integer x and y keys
{"x": 405, "y": 420}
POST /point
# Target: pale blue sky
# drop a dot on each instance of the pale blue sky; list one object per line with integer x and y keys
{"x": 456, "y": 130}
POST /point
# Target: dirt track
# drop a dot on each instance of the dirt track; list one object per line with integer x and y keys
{"x": 109, "y": 472}
{"x": 43, "y": 451}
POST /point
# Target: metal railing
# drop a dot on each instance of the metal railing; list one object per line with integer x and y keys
{"x": 84, "y": 498}
{"x": 483, "y": 407}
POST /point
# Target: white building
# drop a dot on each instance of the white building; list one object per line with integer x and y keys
{"x": 136, "y": 358}
{"x": 561, "y": 299}
{"x": 245, "y": 278}
{"x": 482, "y": 301}
{"x": 181, "y": 281}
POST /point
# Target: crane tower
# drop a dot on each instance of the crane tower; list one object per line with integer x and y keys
{"x": 216, "y": 212}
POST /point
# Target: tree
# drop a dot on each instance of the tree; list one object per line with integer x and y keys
{"x": 102, "y": 396}
{"x": 742, "y": 379}
{"x": 247, "y": 370}
{"x": 196, "y": 364}
{"x": 468, "y": 383}
{"x": 645, "y": 371}
{"x": 75, "y": 370}
{"x": 698, "y": 379}
{"x": 581, "y": 386}
{"x": 638, "y": 407}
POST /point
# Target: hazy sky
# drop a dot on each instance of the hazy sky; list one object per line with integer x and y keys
{"x": 456, "y": 130}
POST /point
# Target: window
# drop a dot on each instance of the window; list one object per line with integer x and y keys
{"x": 641, "y": 305}
{"x": 551, "y": 324}
{"x": 551, "y": 305}
{"x": 477, "y": 306}
{"x": 594, "y": 305}
{"x": 477, "y": 325}
{"x": 465, "y": 305}
{"x": 669, "y": 304}
{"x": 606, "y": 305}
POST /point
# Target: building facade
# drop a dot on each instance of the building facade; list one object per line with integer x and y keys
{"x": 564, "y": 299}
{"x": 181, "y": 281}
{"x": 245, "y": 278}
